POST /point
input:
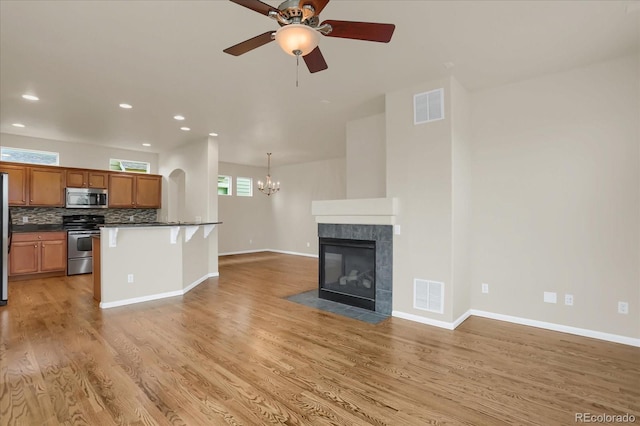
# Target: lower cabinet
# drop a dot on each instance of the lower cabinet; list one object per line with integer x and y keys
{"x": 38, "y": 253}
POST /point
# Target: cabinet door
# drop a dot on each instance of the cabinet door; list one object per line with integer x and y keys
{"x": 98, "y": 180}
{"x": 121, "y": 190}
{"x": 23, "y": 258}
{"x": 46, "y": 187}
{"x": 17, "y": 184}
{"x": 53, "y": 255}
{"x": 148, "y": 192}
{"x": 76, "y": 179}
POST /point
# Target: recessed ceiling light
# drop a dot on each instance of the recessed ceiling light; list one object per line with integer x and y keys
{"x": 325, "y": 101}
{"x": 125, "y": 106}
{"x": 30, "y": 97}
{"x": 146, "y": 144}
{"x": 186, "y": 129}
{"x": 213, "y": 134}
{"x": 178, "y": 117}
{"x": 18, "y": 125}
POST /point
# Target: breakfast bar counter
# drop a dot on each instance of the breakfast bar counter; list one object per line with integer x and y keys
{"x": 140, "y": 262}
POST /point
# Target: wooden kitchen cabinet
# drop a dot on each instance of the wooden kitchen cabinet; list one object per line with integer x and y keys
{"x": 17, "y": 183}
{"x": 38, "y": 253}
{"x": 121, "y": 189}
{"x": 135, "y": 191}
{"x": 148, "y": 191}
{"x": 46, "y": 186}
{"x": 87, "y": 179}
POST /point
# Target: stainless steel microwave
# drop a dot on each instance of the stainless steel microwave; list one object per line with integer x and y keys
{"x": 86, "y": 198}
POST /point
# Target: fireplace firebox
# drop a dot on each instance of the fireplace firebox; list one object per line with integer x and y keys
{"x": 348, "y": 272}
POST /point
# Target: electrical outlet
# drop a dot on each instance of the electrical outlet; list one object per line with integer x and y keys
{"x": 623, "y": 308}
{"x": 130, "y": 278}
{"x": 308, "y": 244}
{"x": 396, "y": 229}
{"x": 568, "y": 299}
{"x": 550, "y": 297}
{"x": 25, "y": 219}
{"x": 130, "y": 218}
{"x": 485, "y": 288}
{"x": 250, "y": 241}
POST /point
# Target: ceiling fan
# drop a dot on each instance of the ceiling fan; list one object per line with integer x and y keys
{"x": 300, "y": 27}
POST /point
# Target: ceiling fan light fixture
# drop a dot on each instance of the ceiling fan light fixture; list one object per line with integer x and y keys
{"x": 297, "y": 39}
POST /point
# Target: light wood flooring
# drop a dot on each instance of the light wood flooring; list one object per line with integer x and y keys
{"x": 234, "y": 351}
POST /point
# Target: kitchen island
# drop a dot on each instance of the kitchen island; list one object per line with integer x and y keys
{"x": 140, "y": 262}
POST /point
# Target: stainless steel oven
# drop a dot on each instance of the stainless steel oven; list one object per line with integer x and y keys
{"x": 80, "y": 252}
{"x": 80, "y": 230}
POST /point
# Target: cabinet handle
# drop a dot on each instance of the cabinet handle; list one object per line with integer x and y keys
{"x": 35, "y": 245}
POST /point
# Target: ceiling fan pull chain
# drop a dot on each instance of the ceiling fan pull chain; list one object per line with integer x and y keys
{"x": 297, "y": 68}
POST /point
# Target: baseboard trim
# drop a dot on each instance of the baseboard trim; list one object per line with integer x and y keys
{"x": 231, "y": 253}
{"x": 431, "y": 321}
{"x": 294, "y": 253}
{"x": 134, "y": 300}
{"x": 200, "y": 281}
{"x": 609, "y": 337}
{"x": 107, "y": 305}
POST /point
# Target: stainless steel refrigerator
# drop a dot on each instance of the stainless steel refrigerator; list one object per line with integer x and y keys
{"x": 5, "y": 229}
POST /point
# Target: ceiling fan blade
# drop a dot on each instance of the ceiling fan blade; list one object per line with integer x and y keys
{"x": 256, "y": 5}
{"x": 250, "y": 44}
{"x": 368, "y": 31}
{"x": 315, "y": 61}
{"x": 318, "y": 5}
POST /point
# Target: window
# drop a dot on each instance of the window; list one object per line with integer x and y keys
{"x": 224, "y": 185}
{"x": 244, "y": 187}
{"x": 129, "y": 166}
{"x": 19, "y": 155}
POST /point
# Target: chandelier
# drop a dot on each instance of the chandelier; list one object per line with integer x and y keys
{"x": 268, "y": 187}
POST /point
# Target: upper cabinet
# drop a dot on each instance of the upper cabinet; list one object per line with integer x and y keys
{"x": 148, "y": 191}
{"x": 17, "y": 183}
{"x": 135, "y": 191}
{"x": 35, "y": 186}
{"x": 43, "y": 186}
{"x": 77, "y": 178}
{"x": 46, "y": 186}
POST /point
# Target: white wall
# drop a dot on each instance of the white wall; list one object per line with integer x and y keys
{"x": 198, "y": 166}
{"x": 460, "y": 110}
{"x": 556, "y": 197}
{"x": 293, "y": 224}
{"x": 247, "y": 220}
{"x": 82, "y": 155}
{"x": 419, "y": 175}
{"x": 366, "y": 158}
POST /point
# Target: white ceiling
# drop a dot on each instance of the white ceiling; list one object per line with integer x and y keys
{"x": 83, "y": 58}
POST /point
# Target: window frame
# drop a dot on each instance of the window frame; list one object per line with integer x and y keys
{"x": 6, "y": 156}
{"x": 250, "y": 186}
{"x": 229, "y": 186}
{"x": 123, "y": 168}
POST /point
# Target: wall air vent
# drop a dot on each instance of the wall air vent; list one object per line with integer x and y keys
{"x": 428, "y": 106}
{"x": 428, "y": 295}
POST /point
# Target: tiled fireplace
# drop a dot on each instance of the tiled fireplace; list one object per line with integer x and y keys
{"x": 356, "y": 265}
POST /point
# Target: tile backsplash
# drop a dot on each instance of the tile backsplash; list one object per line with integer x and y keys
{"x": 50, "y": 215}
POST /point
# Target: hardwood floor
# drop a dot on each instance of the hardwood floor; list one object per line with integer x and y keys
{"x": 234, "y": 351}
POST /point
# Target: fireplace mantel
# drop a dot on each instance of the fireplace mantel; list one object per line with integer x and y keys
{"x": 366, "y": 211}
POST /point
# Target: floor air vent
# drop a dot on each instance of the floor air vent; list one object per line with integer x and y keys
{"x": 428, "y": 106}
{"x": 428, "y": 295}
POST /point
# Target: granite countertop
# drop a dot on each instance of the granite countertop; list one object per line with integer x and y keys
{"x": 154, "y": 224}
{"x": 38, "y": 227}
